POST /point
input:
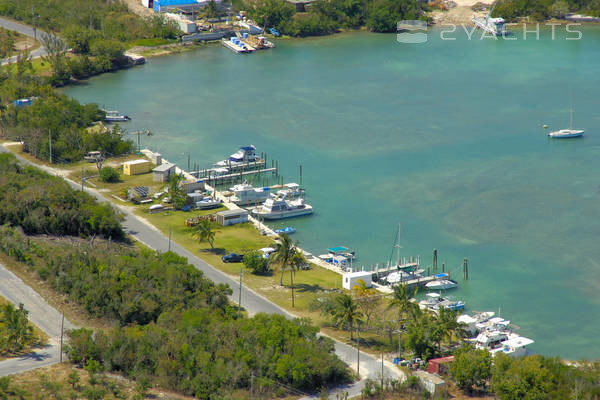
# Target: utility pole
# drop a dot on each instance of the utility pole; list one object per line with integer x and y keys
{"x": 50, "y": 144}
{"x": 82, "y": 179}
{"x": 62, "y": 328}
{"x": 357, "y": 352}
{"x": 382, "y": 372}
{"x": 240, "y": 297}
{"x": 170, "y": 235}
{"x": 252, "y": 386}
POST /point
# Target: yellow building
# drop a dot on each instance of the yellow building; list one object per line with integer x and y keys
{"x": 136, "y": 167}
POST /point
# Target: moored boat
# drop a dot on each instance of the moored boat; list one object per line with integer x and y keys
{"x": 288, "y": 230}
{"x": 441, "y": 282}
{"x": 570, "y": 132}
{"x": 245, "y": 194}
{"x": 246, "y": 154}
{"x": 278, "y": 207}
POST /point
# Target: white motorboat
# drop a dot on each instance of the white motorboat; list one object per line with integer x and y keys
{"x": 567, "y": 133}
{"x": 441, "y": 282}
{"x": 245, "y": 194}
{"x": 115, "y": 116}
{"x": 291, "y": 190}
{"x": 207, "y": 203}
{"x": 493, "y": 26}
{"x": 246, "y": 154}
{"x": 278, "y": 207}
{"x": 508, "y": 343}
{"x": 435, "y": 301}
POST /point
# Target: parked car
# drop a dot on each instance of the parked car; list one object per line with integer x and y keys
{"x": 233, "y": 258}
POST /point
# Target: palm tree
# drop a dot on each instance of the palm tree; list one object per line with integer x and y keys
{"x": 283, "y": 255}
{"x": 17, "y": 326}
{"x": 401, "y": 300}
{"x": 204, "y": 232}
{"x": 347, "y": 312}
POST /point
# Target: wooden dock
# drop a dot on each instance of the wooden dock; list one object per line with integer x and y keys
{"x": 220, "y": 178}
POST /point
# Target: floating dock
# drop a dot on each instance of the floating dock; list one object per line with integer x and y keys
{"x": 237, "y": 46}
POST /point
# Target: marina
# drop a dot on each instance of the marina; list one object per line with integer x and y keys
{"x": 472, "y": 187}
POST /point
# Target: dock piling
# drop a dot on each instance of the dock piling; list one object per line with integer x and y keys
{"x": 435, "y": 254}
{"x": 465, "y": 269}
{"x": 300, "y": 174}
{"x": 443, "y": 267}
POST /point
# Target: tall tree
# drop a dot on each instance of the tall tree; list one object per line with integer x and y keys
{"x": 401, "y": 302}
{"x": 18, "y": 329}
{"x": 282, "y": 257}
{"x": 347, "y": 313}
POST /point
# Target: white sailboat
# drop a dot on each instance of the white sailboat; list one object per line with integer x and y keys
{"x": 567, "y": 133}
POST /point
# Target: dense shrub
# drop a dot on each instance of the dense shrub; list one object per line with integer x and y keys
{"x": 109, "y": 175}
{"x": 42, "y": 204}
{"x": 543, "y": 9}
{"x": 257, "y": 263}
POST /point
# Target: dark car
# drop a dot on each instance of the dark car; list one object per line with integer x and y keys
{"x": 233, "y": 258}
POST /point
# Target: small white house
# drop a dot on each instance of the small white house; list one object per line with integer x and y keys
{"x": 350, "y": 279}
{"x": 232, "y": 217}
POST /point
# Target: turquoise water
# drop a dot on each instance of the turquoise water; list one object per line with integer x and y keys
{"x": 444, "y": 137}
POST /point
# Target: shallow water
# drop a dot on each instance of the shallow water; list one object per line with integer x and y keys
{"x": 443, "y": 136}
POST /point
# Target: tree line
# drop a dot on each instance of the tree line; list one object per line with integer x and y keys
{"x": 540, "y": 10}
{"x": 41, "y": 204}
{"x": 326, "y": 16}
{"x": 53, "y": 121}
{"x": 98, "y": 32}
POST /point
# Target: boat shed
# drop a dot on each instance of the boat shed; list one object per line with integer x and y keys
{"x": 351, "y": 279}
{"x": 163, "y": 172}
{"x": 232, "y": 217}
{"x": 136, "y": 167}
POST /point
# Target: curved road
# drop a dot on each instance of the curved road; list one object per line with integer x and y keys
{"x": 370, "y": 367}
{"x": 24, "y": 30}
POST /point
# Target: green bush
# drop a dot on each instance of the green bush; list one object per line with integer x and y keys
{"x": 109, "y": 175}
{"x": 471, "y": 368}
{"x": 257, "y": 263}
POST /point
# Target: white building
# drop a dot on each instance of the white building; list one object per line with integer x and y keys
{"x": 350, "y": 279}
{"x": 232, "y": 217}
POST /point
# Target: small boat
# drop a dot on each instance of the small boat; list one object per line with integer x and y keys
{"x": 567, "y": 133}
{"x": 342, "y": 251}
{"x": 435, "y": 301}
{"x": 274, "y": 32}
{"x": 441, "y": 282}
{"x": 156, "y": 207}
{"x": 278, "y": 207}
{"x": 207, "y": 203}
{"x": 291, "y": 190}
{"x": 114, "y": 116}
{"x": 288, "y": 230}
{"x": 246, "y": 154}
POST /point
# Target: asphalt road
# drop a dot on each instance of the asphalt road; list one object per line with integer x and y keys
{"x": 253, "y": 302}
{"x": 41, "y": 314}
{"x": 24, "y": 30}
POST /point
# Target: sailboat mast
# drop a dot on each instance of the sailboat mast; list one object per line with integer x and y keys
{"x": 571, "y": 113}
{"x": 398, "y": 244}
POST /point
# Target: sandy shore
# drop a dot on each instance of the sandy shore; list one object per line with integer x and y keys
{"x": 461, "y": 14}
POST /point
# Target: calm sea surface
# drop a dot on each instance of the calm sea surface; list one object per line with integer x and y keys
{"x": 444, "y": 137}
